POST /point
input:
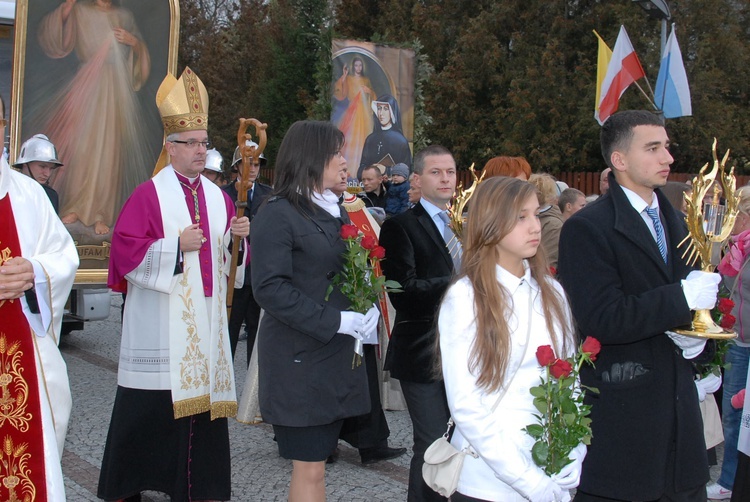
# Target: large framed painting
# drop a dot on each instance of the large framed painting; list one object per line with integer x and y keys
{"x": 85, "y": 74}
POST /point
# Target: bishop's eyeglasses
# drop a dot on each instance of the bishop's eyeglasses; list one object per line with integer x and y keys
{"x": 193, "y": 144}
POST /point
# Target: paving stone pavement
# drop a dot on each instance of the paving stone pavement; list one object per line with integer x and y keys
{"x": 258, "y": 473}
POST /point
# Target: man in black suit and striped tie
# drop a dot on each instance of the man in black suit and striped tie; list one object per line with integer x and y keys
{"x": 629, "y": 286}
{"x": 421, "y": 254}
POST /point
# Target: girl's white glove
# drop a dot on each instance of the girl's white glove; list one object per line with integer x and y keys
{"x": 570, "y": 475}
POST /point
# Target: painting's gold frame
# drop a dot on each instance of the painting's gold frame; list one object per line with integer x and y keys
{"x": 83, "y": 276}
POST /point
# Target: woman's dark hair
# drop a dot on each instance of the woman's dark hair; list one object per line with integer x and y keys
{"x": 305, "y": 151}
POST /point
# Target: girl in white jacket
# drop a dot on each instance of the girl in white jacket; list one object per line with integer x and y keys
{"x": 502, "y": 306}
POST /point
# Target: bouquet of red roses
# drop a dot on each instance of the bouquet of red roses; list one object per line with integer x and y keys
{"x": 722, "y": 313}
{"x": 360, "y": 279}
{"x": 563, "y": 422}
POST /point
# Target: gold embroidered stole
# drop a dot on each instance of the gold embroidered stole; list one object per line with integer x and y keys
{"x": 22, "y": 470}
{"x": 201, "y": 371}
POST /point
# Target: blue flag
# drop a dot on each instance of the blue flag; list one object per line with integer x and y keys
{"x": 672, "y": 90}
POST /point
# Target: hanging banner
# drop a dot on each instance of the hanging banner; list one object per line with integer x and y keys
{"x": 373, "y": 103}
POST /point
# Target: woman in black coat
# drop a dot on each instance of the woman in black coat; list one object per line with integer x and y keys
{"x": 307, "y": 384}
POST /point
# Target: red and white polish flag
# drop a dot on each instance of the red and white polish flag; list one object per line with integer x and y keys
{"x": 624, "y": 69}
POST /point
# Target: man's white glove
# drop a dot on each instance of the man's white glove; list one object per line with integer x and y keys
{"x": 691, "y": 347}
{"x": 570, "y": 475}
{"x": 700, "y": 289}
{"x": 370, "y": 325}
{"x": 352, "y": 324}
{"x": 707, "y": 385}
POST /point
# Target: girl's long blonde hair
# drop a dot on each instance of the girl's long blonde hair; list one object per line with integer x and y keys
{"x": 494, "y": 212}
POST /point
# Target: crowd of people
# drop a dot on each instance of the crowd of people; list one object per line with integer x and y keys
{"x": 534, "y": 264}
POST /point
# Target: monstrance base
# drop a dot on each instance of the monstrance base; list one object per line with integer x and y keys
{"x": 722, "y": 335}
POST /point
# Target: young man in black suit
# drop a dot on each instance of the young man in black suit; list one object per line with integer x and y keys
{"x": 244, "y": 307}
{"x": 419, "y": 259}
{"x": 629, "y": 287}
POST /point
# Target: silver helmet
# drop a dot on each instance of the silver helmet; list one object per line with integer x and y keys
{"x": 213, "y": 160}
{"x": 237, "y": 157}
{"x": 37, "y": 148}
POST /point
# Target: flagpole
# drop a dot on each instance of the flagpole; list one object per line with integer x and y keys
{"x": 651, "y": 101}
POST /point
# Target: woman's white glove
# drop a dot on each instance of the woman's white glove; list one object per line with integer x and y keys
{"x": 352, "y": 324}
{"x": 570, "y": 475}
{"x": 546, "y": 491}
{"x": 370, "y": 325}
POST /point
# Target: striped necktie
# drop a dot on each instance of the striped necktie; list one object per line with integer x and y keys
{"x": 451, "y": 241}
{"x": 661, "y": 241}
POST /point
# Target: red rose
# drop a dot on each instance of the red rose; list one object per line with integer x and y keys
{"x": 561, "y": 368}
{"x": 368, "y": 242}
{"x": 545, "y": 355}
{"x": 349, "y": 232}
{"x": 727, "y": 321}
{"x": 725, "y": 305}
{"x": 591, "y": 346}
{"x": 378, "y": 252}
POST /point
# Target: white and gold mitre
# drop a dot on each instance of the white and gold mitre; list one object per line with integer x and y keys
{"x": 183, "y": 103}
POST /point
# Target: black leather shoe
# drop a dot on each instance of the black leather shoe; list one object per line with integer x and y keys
{"x": 372, "y": 455}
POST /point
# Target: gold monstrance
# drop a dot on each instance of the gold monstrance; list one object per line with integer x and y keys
{"x": 456, "y": 210}
{"x": 709, "y": 225}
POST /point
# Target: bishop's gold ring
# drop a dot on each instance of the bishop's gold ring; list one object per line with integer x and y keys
{"x": 203, "y": 240}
